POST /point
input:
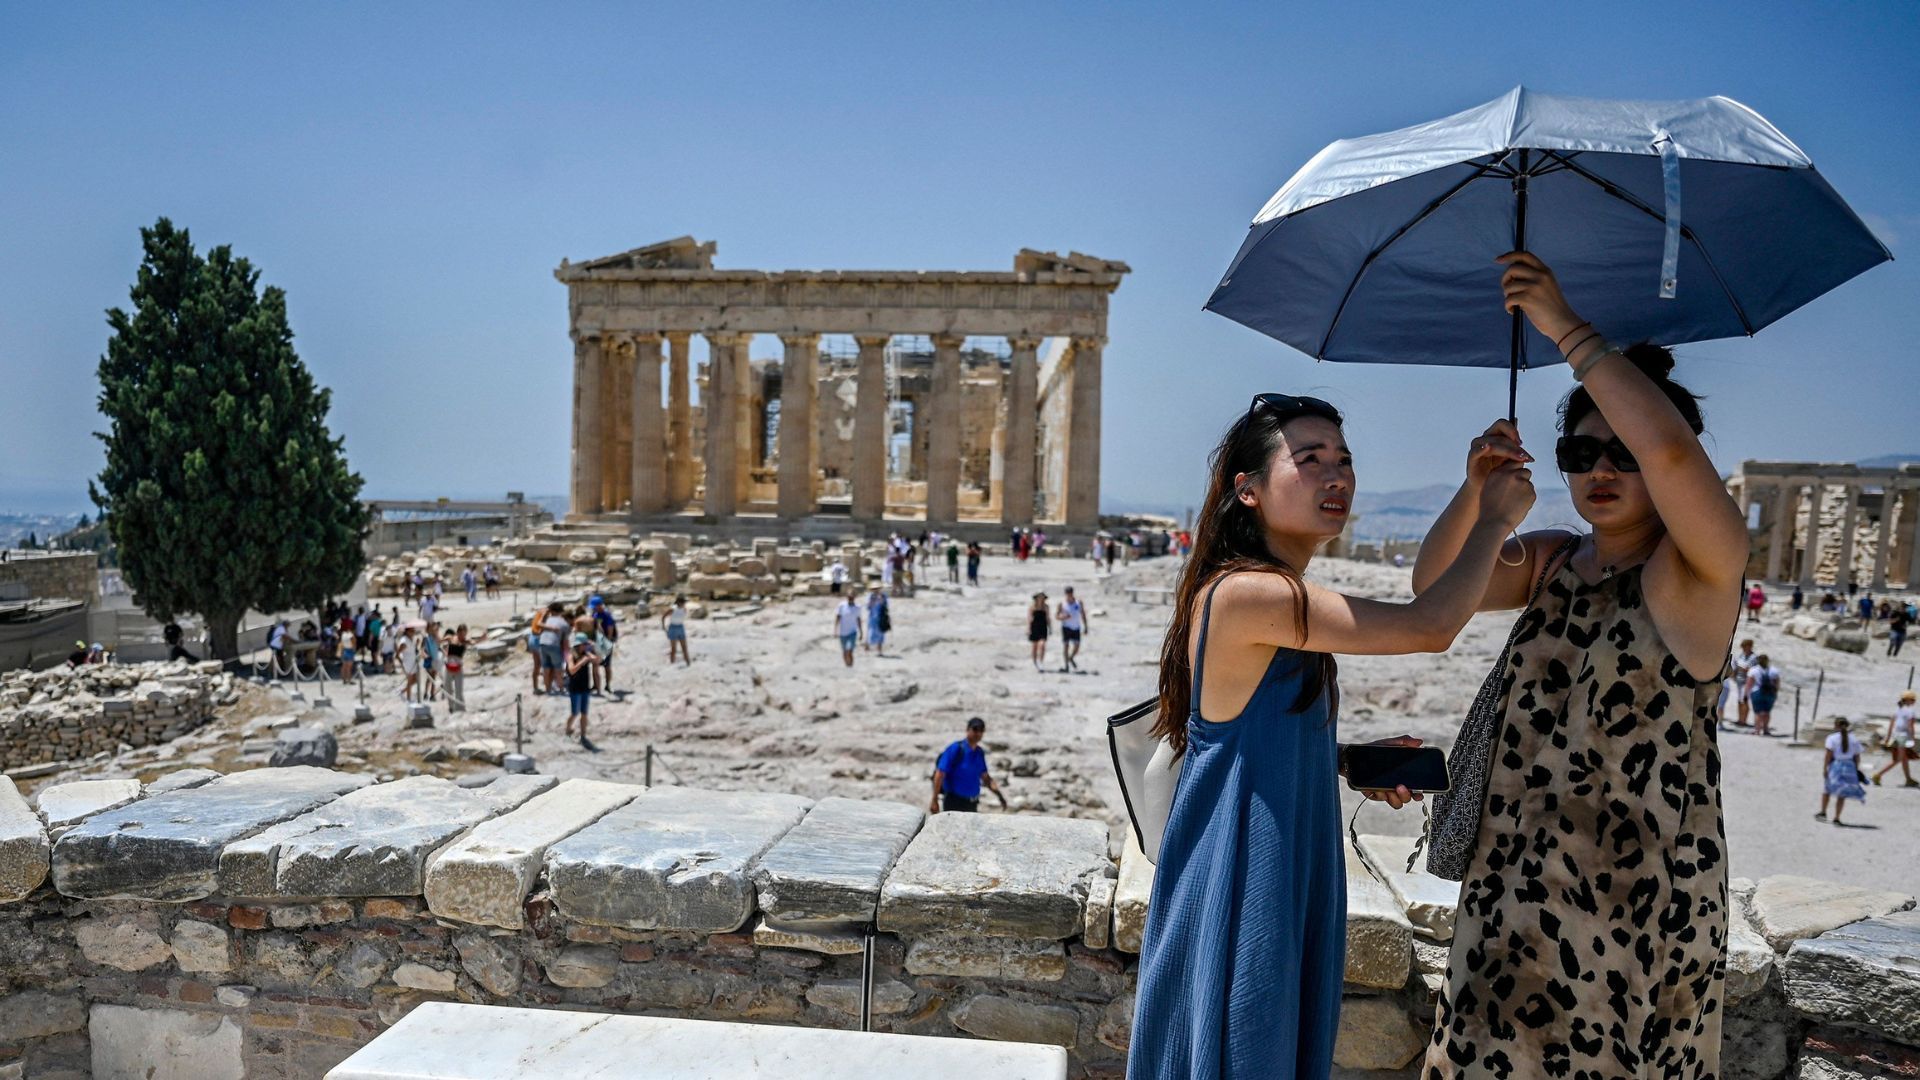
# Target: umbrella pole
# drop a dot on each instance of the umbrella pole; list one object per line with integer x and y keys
{"x": 1517, "y": 337}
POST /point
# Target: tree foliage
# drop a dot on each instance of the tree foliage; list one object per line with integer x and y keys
{"x": 223, "y": 489}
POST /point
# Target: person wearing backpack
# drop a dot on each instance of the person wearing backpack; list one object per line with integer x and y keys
{"x": 959, "y": 772}
{"x": 1762, "y": 690}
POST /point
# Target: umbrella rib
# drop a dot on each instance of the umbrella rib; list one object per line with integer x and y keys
{"x": 1631, "y": 200}
{"x": 1389, "y": 241}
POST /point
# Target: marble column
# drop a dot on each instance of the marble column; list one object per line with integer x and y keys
{"x": 1881, "y": 548}
{"x": 616, "y": 474}
{"x": 723, "y": 412}
{"x": 1912, "y": 516}
{"x": 799, "y": 390}
{"x": 871, "y": 430}
{"x": 647, "y": 467}
{"x": 1786, "y": 506}
{"x": 746, "y": 440}
{"x": 943, "y": 431}
{"x": 1083, "y": 436}
{"x": 1843, "y": 574}
{"x": 588, "y": 361}
{"x": 1810, "y": 552}
{"x": 1016, "y": 495}
{"x": 679, "y": 421}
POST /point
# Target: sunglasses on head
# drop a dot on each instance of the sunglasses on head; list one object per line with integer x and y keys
{"x": 1580, "y": 453}
{"x": 1289, "y": 405}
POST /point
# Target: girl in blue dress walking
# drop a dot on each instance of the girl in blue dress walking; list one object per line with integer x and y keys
{"x": 1245, "y": 945}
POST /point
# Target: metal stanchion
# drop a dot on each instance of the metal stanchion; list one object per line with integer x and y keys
{"x": 1817, "y": 688}
{"x": 649, "y": 775}
{"x": 866, "y": 978}
{"x": 1796, "y": 714}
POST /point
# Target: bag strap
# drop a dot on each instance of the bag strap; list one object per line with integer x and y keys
{"x": 1566, "y": 548}
{"x": 1200, "y": 653}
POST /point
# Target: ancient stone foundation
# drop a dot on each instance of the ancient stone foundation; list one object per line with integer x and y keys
{"x": 265, "y": 924}
{"x": 70, "y": 714}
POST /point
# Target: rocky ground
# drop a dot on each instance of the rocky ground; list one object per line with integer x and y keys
{"x": 768, "y": 705}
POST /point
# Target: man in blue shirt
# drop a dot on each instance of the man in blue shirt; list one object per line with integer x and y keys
{"x": 961, "y": 770}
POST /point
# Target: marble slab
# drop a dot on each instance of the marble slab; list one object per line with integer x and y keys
{"x": 371, "y": 842}
{"x": 484, "y": 876}
{"x": 996, "y": 875}
{"x": 168, "y": 847}
{"x": 1427, "y": 901}
{"x": 61, "y": 805}
{"x": 448, "y": 1041}
{"x": 830, "y": 868}
{"x": 674, "y": 858}
{"x": 1865, "y": 975}
{"x": 23, "y": 845}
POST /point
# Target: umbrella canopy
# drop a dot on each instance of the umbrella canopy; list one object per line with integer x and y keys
{"x": 1669, "y": 221}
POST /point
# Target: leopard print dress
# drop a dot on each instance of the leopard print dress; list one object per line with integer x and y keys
{"x": 1590, "y": 940}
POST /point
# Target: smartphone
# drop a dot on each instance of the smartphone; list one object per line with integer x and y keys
{"x": 1420, "y": 768}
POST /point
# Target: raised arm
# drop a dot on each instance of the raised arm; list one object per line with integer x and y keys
{"x": 1520, "y": 557}
{"x": 1701, "y": 519}
{"x": 1266, "y": 605}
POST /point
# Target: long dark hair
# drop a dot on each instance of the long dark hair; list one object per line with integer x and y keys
{"x": 1228, "y": 538}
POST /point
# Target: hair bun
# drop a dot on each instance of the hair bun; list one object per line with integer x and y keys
{"x": 1653, "y": 359}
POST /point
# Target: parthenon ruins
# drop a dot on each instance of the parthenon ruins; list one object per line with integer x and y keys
{"x": 885, "y": 405}
{"x": 1832, "y": 524}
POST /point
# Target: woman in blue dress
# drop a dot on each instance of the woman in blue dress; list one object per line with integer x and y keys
{"x": 1245, "y": 945}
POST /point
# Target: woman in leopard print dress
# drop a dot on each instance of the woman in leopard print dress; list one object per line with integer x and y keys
{"x": 1591, "y": 933}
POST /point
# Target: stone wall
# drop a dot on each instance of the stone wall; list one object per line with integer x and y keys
{"x": 69, "y": 714}
{"x": 265, "y": 924}
{"x": 73, "y": 575}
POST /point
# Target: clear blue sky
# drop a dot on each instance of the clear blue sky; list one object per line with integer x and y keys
{"x": 412, "y": 177}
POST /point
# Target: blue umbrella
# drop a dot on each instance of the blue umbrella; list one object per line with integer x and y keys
{"x": 1381, "y": 248}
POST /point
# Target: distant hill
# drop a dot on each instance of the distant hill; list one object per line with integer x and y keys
{"x": 1408, "y": 514}
{"x": 1888, "y": 461}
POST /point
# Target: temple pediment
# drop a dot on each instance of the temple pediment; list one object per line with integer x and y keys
{"x": 680, "y": 253}
{"x": 1029, "y": 262}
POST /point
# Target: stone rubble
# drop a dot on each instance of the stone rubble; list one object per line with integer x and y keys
{"x": 70, "y": 714}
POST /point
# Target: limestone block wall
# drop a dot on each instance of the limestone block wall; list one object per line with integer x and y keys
{"x": 265, "y": 924}
{"x": 74, "y": 575}
{"x": 64, "y": 714}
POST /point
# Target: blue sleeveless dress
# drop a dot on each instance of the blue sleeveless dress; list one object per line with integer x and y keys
{"x": 1245, "y": 945}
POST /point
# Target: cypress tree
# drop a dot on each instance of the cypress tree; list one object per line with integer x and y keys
{"x": 223, "y": 489}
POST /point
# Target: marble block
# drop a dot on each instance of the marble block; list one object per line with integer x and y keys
{"x": 441, "y": 1040}
{"x": 1787, "y": 907}
{"x": 830, "y": 867}
{"x": 23, "y": 845}
{"x": 1863, "y": 975}
{"x": 996, "y": 875}
{"x": 484, "y": 876}
{"x": 1131, "y": 894}
{"x": 61, "y": 805}
{"x": 1379, "y": 937}
{"x": 371, "y": 842}
{"x": 1427, "y": 901}
{"x": 167, "y": 847}
{"x": 674, "y": 858}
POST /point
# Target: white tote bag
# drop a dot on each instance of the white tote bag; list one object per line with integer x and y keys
{"x": 1148, "y": 771}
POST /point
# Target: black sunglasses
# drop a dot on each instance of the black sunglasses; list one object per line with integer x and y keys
{"x": 1289, "y": 405}
{"x": 1580, "y": 453}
